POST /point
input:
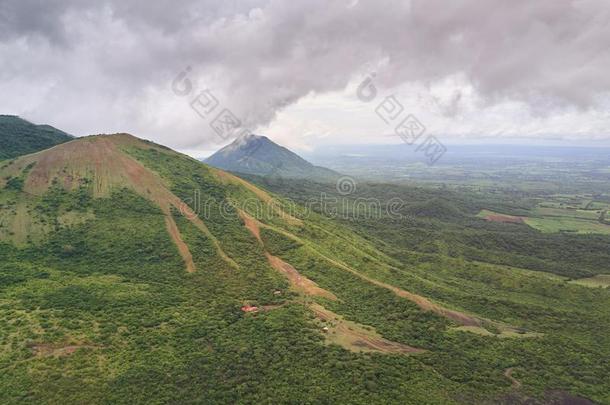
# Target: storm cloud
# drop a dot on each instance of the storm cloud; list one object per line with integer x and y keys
{"x": 107, "y": 66}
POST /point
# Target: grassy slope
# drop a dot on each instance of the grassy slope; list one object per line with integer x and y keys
{"x": 438, "y": 261}
{"x": 154, "y": 332}
{"x": 149, "y": 330}
{"x": 535, "y": 301}
{"x": 116, "y": 291}
{"x": 601, "y": 280}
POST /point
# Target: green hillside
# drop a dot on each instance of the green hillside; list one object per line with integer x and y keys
{"x": 124, "y": 267}
{"x": 20, "y": 137}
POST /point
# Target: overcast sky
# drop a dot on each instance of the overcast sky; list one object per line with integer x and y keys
{"x": 291, "y": 69}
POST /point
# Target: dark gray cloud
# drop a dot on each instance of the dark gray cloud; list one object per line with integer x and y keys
{"x": 97, "y": 66}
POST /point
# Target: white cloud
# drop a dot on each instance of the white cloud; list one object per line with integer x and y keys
{"x": 467, "y": 68}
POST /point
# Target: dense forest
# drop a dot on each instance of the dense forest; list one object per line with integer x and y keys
{"x": 20, "y": 137}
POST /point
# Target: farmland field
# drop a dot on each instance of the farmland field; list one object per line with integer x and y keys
{"x": 601, "y": 280}
{"x": 553, "y": 214}
{"x": 563, "y": 224}
{"x": 543, "y": 211}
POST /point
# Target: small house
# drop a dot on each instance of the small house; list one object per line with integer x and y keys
{"x": 249, "y": 308}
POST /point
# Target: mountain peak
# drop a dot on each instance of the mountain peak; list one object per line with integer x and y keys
{"x": 245, "y": 141}
{"x": 253, "y": 137}
{"x": 259, "y": 155}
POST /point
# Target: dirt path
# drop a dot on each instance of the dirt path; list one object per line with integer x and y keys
{"x": 471, "y": 322}
{"x": 508, "y": 373}
{"x": 422, "y": 302}
{"x": 195, "y": 220}
{"x": 263, "y": 195}
{"x": 183, "y": 249}
{"x": 350, "y": 335}
{"x": 252, "y": 225}
{"x": 298, "y": 281}
{"x": 461, "y": 318}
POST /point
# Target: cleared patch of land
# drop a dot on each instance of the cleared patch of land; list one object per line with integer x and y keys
{"x": 51, "y": 350}
{"x": 495, "y": 217}
{"x": 356, "y": 337}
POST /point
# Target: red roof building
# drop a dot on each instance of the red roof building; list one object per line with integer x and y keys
{"x": 248, "y": 308}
